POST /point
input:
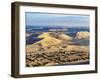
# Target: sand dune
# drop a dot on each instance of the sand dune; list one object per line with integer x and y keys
{"x": 51, "y": 38}
{"x": 49, "y": 41}
{"x": 56, "y": 42}
{"x": 45, "y": 35}
{"x": 57, "y": 49}
{"x": 82, "y": 35}
{"x": 65, "y": 37}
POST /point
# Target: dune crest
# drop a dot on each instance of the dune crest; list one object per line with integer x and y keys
{"x": 49, "y": 41}
{"x": 82, "y": 35}
{"x": 65, "y": 37}
{"x": 51, "y": 38}
{"x": 45, "y": 35}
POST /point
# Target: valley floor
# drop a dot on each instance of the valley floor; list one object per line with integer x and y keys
{"x": 70, "y": 56}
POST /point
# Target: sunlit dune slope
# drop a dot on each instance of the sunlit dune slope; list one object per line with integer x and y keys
{"x": 82, "y": 35}
{"x": 65, "y": 37}
{"x": 48, "y": 41}
{"x": 51, "y": 38}
{"x": 57, "y": 41}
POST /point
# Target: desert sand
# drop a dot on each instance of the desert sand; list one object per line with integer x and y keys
{"x": 57, "y": 48}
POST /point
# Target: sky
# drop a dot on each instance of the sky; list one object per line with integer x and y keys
{"x": 54, "y": 20}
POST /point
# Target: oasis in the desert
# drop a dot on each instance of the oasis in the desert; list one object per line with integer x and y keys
{"x": 56, "y": 39}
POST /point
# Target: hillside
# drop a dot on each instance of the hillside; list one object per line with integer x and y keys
{"x": 65, "y": 37}
{"x": 82, "y": 35}
{"x": 49, "y": 41}
{"x": 57, "y": 48}
{"x": 51, "y": 38}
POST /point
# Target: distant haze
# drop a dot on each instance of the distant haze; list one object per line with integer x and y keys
{"x": 56, "y": 20}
